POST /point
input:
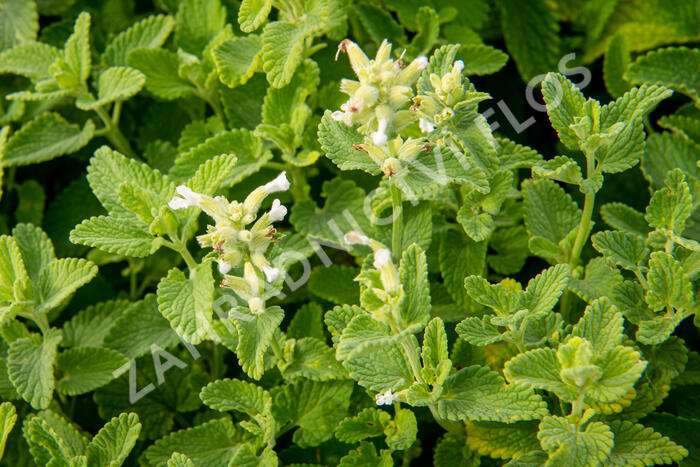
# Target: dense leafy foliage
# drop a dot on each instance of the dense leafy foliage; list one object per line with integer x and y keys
{"x": 269, "y": 232}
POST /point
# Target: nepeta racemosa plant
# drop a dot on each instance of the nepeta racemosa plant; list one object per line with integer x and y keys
{"x": 285, "y": 233}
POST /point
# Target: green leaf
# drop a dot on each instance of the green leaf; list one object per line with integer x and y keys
{"x": 617, "y": 59}
{"x": 31, "y": 59}
{"x": 385, "y": 367}
{"x": 540, "y": 369}
{"x": 478, "y": 394}
{"x": 601, "y": 325}
{"x": 624, "y": 218}
{"x": 338, "y": 140}
{"x": 315, "y": 407}
{"x": 671, "y": 67}
{"x": 502, "y": 440}
{"x": 30, "y": 366}
{"x": 481, "y": 59}
{"x": 47, "y": 136}
{"x": 212, "y": 174}
{"x": 343, "y": 211}
{"x": 12, "y": 269}
{"x": 401, "y": 432}
{"x": 564, "y": 103}
{"x": 310, "y": 358}
{"x": 149, "y": 33}
{"x": 36, "y": 249}
{"x": 532, "y": 36}
{"x": 161, "y": 70}
{"x": 668, "y": 284}
{"x": 428, "y": 25}
{"x": 73, "y": 68}
{"x": 255, "y": 334}
{"x": 197, "y": 23}
{"x": 19, "y": 22}
{"x": 237, "y": 59}
{"x": 50, "y": 435}
{"x": 253, "y": 13}
{"x": 180, "y": 460}
{"x": 60, "y": 279}
{"x": 625, "y": 249}
{"x": 210, "y": 444}
{"x": 117, "y": 235}
{"x": 413, "y": 271}
{"x": 365, "y": 455}
{"x": 242, "y": 143}
{"x": 115, "y": 84}
{"x": 324, "y": 281}
{"x": 435, "y": 350}
{"x": 478, "y": 331}
{"x": 138, "y": 327}
{"x": 233, "y": 394}
{"x": 108, "y": 170}
{"x": 550, "y": 214}
{"x": 112, "y": 444}
{"x": 670, "y": 207}
{"x": 544, "y": 290}
{"x": 379, "y": 24}
{"x": 570, "y": 447}
{"x": 84, "y": 369}
{"x": 187, "y": 303}
{"x": 680, "y": 430}
{"x": 638, "y": 446}
{"x": 8, "y": 417}
{"x": 478, "y": 226}
{"x": 361, "y": 334}
{"x": 461, "y": 257}
{"x": 89, "y": 327}
{"x": 668, "y": 151}
{"x": 282, "y": 52}
{"x": 368, "y": 423}
{"x": 307, "y": 322}
{"x": 561, "y": 168}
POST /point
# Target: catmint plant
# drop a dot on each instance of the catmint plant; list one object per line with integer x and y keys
{"x": 316, "y": 232}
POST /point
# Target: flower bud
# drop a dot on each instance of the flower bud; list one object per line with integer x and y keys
{"x": 189, "y": 198}
{"x": 387, "y": 270}
{"x": 224, "y": 266}
{"x": 356, "y": 238}
{"x": 256, "y": 305}
{"x": 425, "y": 125}
{"x": 277, "y": 212}
{"x": 280, "y": 183}
{"x": 410, "y": 74}
{"x": 379, "y": 137}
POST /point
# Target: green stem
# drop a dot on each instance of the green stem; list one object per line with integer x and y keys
{"x": 115, "y": 136}
{"x": 132, "y": 280}
{"x": 181, "y": 248}
{"x": 577, "y": 406}
{"x": 583, "y": 229}
{"x": 396, "y": 222}
{"x": 298, "y": 186}
{"x": 277, "y": 350}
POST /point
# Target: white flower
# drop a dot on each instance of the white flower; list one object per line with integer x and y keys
{"x": 386, "y": 398}
{"x": 458, "y": 66}
{"x": 189, "y": 198}
{"x": 356, "y": 238}
{"x": 425, "y": 125}
{"x": 277, "y": 212}
{"x": 271, "y": 274}
{"x": 382, "y": 258}
{"x": 278, "y": 184}
{"x": 224, "y": 266}
{"x": 379, "y": 137}
{"x": 422, "y": 62}
{"x": 338, "y": 116}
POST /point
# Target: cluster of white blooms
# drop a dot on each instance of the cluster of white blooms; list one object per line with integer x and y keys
{"x": 438, "y": 105}
{"x": 380, "y": 103}
{"x": 235, "y": 240}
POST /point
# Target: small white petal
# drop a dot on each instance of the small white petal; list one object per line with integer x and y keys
{"x": 425, "y": 126}
{"x": 379, "y": 139}
{"x": 338, "y": 116}
{"x": 277, "y": 212}
{"x": 178, "y": 203}
{"x": 421, "y": 62}
{"x": 356, "y": 238}
{"x": 224, "y": 266}
{"x": 271, "y": 274}
{"x": 458, "y": 66}
{"x": 278, "y": 184}
{"x": 382, "y": 258}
